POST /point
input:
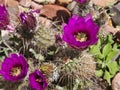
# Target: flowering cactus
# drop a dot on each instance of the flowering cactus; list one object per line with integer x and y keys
{"x": 4, "y": 17}
{"x": 28, "y": 20}
{"x": 37, "y": 80}
{"x": 14, "y": 67}
{"x": 80, "y": 32}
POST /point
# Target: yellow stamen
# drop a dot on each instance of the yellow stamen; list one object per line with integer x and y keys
{"x": 81, "y": 37}
{"x": 15, "y": 71}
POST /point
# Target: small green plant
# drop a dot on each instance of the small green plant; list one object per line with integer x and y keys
{"x": 105, "y": 51}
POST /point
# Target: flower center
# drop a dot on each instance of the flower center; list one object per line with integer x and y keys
{"x": 15, "y": 71}
{"x": 81, "y": 37}
{"x": 39, "y": 80}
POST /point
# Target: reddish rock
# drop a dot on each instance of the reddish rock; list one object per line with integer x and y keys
{"x": 25, "y": 3}
{"x": 55, "y": 13}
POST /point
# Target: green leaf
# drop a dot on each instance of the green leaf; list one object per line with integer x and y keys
{"x": 99, "y": 43}
{"x": 103, "y": 65}
{"x": 110, "y": 39}
{"x": 113, "y": 67}
{"x": 111, "y": 55}
{"x": 96, "y": 51}
{"x": 99, "y": 73}
{"x": 99, "y": 61}
{"x": 107, "y": 48}
{"x": 115, "y": 47}
{"x": 107, "y": 77}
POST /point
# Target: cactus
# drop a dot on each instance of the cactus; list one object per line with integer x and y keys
{"x": 49, "y": 69}
{"x": 81, "y": 68}
{"x": 46, "y": 68}
{"x": 44, "y": 38}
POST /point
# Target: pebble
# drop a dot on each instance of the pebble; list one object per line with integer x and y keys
{"x": 116, "y": 82}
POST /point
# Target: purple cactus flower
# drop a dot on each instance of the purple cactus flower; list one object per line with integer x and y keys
{"x": 4, "y": 17}
{"x": 28, "y": 20}
{"x": 37, "y": 80}
{"x": 14, "y": 67}
{"x": 81, "y": 1}
{"x": 80, "y": 32}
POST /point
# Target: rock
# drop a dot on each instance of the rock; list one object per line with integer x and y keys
{"x": 116, "y": 82}
{"x": 117, "y": 37}
{"x": 116, "y": 10}
{"x": 107, "y": 29}
{"x": 13, "y": 12}
{"x": 5, "y": 35}
{"x": 72, "y": 5}
{"x": 46, "y": 23}
{"x": 2, "y": 1}
{"x": 63, "y": 2}
{"x": 22, "y": 9}
{"x": 43, "y": 1}
{"x": 104, "y": 3}
{"x": 35, "y": 5}
{"x": 12, "y": 3}
{"x": 56, "y": 13}
{"x": 25, "y": 3}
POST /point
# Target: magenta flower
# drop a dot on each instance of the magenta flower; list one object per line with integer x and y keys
{"x": 4, "y": 17}
{"x": 14, "y": 67}
{"x": 80, "y": 32}
{"x": 37, "y": 80}
{"x": 28, "y": 20}
{"x": 81, "y": 1}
